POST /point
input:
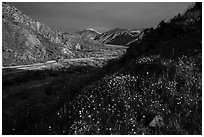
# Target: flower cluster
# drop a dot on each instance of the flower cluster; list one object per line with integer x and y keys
{"x": 147, "y": 59}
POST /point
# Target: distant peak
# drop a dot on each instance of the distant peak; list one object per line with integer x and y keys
{"x": 93, "y": 30}
{"x": 90, "y": 29}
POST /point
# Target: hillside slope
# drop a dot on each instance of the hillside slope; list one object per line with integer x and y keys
{"x": 27, "y": 41}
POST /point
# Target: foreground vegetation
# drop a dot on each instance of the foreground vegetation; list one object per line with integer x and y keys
{"x": 154, "y": 96}
{"x": 31, "y": 100}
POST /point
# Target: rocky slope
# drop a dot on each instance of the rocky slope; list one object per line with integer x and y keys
{"x": 27, "y": 41}
{"x": 118, "y": 36}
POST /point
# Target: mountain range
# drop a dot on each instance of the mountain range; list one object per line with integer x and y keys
{"x": 26, "y": 41}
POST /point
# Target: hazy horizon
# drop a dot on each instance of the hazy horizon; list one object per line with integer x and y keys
{"x": 101, "y": 16}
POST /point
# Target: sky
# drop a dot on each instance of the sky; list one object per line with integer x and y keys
{"x": 103, "y": 16}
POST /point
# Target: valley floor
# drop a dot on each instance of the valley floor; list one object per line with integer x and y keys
{"x": 53, "y": 63}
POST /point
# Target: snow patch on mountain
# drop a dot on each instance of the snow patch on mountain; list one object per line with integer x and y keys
{"x": 93, "y": 30}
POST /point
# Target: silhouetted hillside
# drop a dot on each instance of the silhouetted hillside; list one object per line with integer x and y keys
{"x": 182, "y": 35}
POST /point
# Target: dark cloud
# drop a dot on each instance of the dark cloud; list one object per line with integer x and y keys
{"x": 103, "y": 16}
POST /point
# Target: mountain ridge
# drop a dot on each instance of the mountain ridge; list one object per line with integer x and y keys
{"x": 118, "y": 36}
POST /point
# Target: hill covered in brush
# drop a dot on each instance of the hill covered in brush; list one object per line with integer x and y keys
{"x": 182, "y": 35}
